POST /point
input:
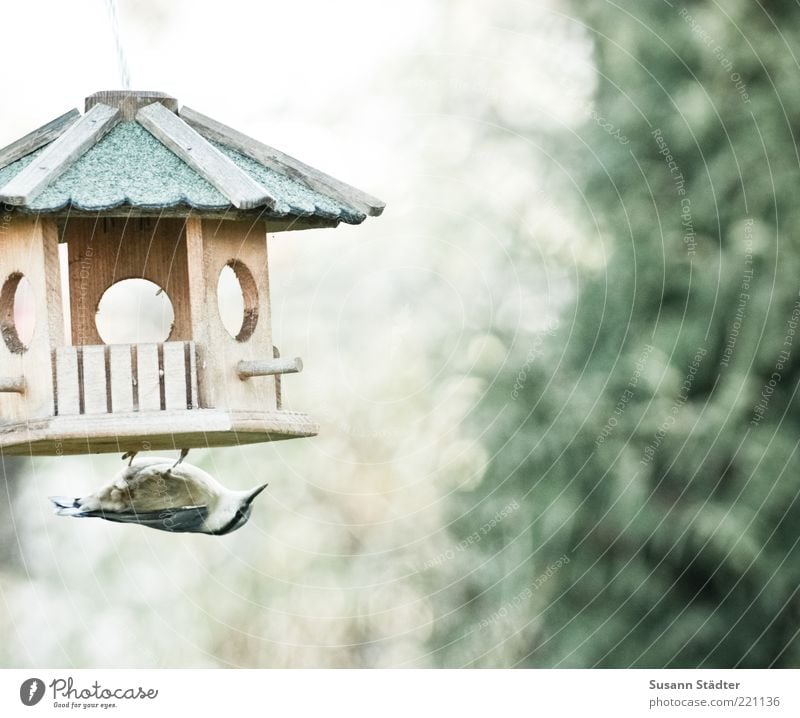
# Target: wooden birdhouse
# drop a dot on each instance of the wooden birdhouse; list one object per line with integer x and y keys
{"x": 139, "y": 188}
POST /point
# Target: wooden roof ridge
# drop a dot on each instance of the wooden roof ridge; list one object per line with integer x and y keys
{"x": 73, "y": 141}
{"x": 38, "y": 138}
{"x": 282, "y": 163}
{"x": 197, "y": 152}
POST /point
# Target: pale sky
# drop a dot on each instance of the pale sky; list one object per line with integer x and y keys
{"x": 267, "y": 68}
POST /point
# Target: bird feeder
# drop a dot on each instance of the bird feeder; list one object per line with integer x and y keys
{"x": 137, "y": 187}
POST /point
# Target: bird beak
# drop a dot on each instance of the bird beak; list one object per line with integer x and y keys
{"x": 255, "y": 492}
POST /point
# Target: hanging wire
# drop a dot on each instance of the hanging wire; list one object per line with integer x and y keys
{"x": 122, "y": 60}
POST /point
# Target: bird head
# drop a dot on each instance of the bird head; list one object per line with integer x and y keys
{"x": 242, "y": 510}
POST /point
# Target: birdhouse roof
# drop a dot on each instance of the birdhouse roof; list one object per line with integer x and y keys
{"x": 140, "y": 153}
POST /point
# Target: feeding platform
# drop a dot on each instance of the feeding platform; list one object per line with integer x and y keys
{"x": 138, "y": 187}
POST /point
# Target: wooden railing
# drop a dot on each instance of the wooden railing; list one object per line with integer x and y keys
{"x": 121, "y": 378}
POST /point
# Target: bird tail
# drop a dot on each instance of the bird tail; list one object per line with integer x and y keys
{"x": 68, "y": 507}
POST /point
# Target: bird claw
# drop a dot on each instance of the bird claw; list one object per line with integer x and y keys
{"x": 130, "y": 455}
{"x": 184, "y": 454}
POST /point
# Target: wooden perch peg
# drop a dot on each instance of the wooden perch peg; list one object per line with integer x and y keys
{"x": 269, "y": 367}
{"x": 12, "y": 384}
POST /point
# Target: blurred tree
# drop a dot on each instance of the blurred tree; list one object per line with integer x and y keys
{"x": 652, "y": 443}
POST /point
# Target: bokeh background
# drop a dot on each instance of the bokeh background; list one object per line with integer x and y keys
{"x": 557, "y": 379}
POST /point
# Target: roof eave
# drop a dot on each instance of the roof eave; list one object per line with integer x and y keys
{"x": 286, "y": 223}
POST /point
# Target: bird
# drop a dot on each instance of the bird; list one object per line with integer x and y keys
{"x": 157, "y": 493}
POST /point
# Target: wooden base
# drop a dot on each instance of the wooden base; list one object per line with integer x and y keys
{"x": 151, "y": 431}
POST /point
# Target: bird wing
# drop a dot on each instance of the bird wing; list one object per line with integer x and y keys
{"x": 152, "y": 487}
{"x": 179, "y": 520}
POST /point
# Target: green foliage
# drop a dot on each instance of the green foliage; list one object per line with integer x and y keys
{"x": 654, "y": 442}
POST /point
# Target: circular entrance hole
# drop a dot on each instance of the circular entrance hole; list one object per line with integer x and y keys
{"x": 237, "y": 299}
{"x": 134, "y": 311}
{"x": 17, "y": 312}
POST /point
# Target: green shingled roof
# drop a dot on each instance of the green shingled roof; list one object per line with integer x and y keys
{"x": 129, "y": 167}
{"x": 136, "y": 165}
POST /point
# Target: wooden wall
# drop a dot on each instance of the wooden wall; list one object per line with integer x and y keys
{"x": 211, "y": 245}
{"x": 104, "y": 251}
{"x": 29, "y": 246}
{"x": 185, "y": 257}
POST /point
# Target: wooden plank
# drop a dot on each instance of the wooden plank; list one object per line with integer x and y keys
{"x": 155, "y": 431}
{"x": 271, "y": 224}
{"x": 52, "y": 281}
{"x": 191, "y": 366}
{"x": 283, "y": 163}
{"x": 60, "y": 155}
{"x": 199, "y": 278}
{"x": 269, "y": 367}
{"x": 38, "y": 138}
{"x": 105, "y": 251}
{"x": 29, "y": 247}
{"x": 211, "y": 246}
{"x": 121, "y": 377}
{"x": 148, "y": 377}
{"x": 129, "y": 102}
{"x": 238, "y": 186}
{"x": 175, "y": 375}
{"x": 12, "y": 384}
{"x": 67, "y": 386}
{"x": 95, "y": 395}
